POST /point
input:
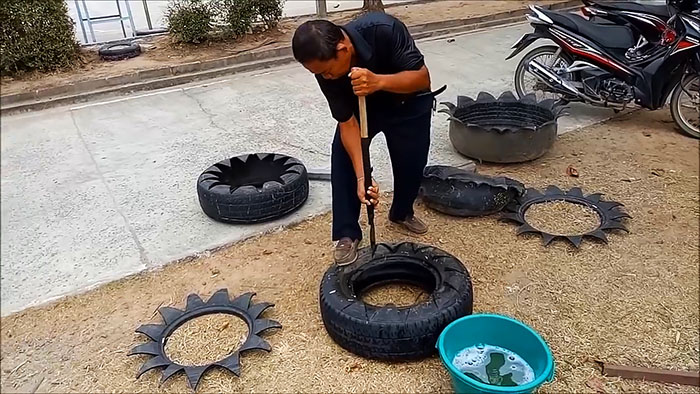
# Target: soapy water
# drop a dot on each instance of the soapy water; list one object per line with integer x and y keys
{"x": 494, "y": 365}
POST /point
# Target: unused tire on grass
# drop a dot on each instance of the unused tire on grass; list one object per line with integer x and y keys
{"x": 119, "y": 50}
{"x": 253, "y": 188}
{"x": 390, "y": 332}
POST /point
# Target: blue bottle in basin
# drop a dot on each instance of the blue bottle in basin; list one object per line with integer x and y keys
{"x": 495, "y": 330}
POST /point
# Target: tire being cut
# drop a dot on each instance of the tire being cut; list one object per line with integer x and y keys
{"x": 389, "y": 332}
{"x": 119, "y": 50}
{"x": 253, "y": 188}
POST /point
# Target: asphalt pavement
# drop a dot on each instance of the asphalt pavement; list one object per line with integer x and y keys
{"x": 98, "y": 191}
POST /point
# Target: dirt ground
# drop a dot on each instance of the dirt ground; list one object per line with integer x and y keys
{"x": 633, "y": 301}
{"x": 162, "y": 52}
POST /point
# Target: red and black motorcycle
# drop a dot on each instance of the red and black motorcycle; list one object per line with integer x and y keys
{"x": 647, "y": 21}
{"x": 588, "y": 64}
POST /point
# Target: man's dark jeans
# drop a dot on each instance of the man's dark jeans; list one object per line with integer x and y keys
{"x": 408, "y": 141}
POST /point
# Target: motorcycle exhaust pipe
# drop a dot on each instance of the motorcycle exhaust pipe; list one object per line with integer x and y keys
{"x": 546, "y": 75}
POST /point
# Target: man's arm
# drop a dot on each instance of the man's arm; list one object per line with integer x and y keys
{"x": 350, "y": 137}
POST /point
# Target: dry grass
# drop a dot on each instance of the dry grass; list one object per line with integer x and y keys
{"x": 633, "y": 301}
{"x": 399, "y": 294}
{"x": 206, "y": 339}
{"x": 562, "y": 218}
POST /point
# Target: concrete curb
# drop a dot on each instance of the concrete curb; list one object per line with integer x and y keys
{"x": 189, "y": 72}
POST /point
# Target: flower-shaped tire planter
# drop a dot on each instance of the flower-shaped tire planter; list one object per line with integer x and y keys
{"x": 503, "y": 130}
{"x": 390, "y": 332}
{"x": 253, "y": 188}
{"x": 219, "y": 302}
{"x": 609, "y": 213}
{"x": 457, "y": 192}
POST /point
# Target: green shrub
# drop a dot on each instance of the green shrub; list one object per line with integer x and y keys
{"x": 36, "y": 35}
{"x": 189, "y": 20}
{"x": 237, "y": 15}
{"x": 270, "y": 11}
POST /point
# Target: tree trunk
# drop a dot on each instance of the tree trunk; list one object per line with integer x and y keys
{"x": 372, "y": 5}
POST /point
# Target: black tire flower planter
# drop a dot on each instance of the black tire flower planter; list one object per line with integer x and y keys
{"x": 503, "y": 130}
{"x": 253, "y": 188}
{"x": 457, "y": 192}
{"x": 241, "y": 307}
{"x": 610, "y": 214}
{"x": 394, "y": 332}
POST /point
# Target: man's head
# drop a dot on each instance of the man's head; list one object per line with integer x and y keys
{"x": 323, "y": 49}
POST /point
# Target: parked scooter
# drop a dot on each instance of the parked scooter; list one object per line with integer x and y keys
{"x": 588, "y": 64}
{"x": 647, "y": 21}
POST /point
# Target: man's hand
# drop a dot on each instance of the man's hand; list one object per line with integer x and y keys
{"x": 365, "y": 82}
{"x": 372, "y": 192}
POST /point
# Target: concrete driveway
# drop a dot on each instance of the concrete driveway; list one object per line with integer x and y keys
{"x": 95, "y": 192}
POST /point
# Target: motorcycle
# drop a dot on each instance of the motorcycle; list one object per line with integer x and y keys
{"x": 588, "y": 65}
{"x": 647, "y": 21}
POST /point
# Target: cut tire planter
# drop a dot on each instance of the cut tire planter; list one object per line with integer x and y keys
{"x": 610, "y": 214}
{"x": 457, "y": 192}
{"x": 119, "y": 50}
{"x": 220, "y": 302}
{"x": 253, "y": 188}
{"x": 390, "y": 332}
{"x": 503, "y": 130}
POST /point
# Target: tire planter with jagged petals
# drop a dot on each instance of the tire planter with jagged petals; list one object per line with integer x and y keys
{"x": 503, "y": 130}
{"x": 253, "y": 188}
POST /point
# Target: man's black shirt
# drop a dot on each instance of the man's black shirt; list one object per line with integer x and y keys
{"x": 382, "y": 45}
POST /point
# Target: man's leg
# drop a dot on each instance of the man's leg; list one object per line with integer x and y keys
{"x": 346, "y": 205}
{"x": 409, "y": 144}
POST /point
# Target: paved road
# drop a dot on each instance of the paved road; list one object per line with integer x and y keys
{"x": 95, "y": 192}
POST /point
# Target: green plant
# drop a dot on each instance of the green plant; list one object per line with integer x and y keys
{"x": 189, "y": 20}
{"x": 237, "y": 16}
{"x": 36, "y": 35}
{"x": 270, "y": 11}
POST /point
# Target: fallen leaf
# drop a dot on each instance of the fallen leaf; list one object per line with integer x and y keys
{"x": 596, "y": 384}
{"x": 215, "y": 271}
{"x": 308, "y": 241}
{"x": 571, "y": 171}
{"x": 353, "y": 367}
{"x": 267, "y": 252}
{"x": 657, "y": 171}
{"x": 451, "y": 40}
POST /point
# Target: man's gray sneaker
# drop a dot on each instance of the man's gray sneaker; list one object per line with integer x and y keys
{"x": 345, "y": 251}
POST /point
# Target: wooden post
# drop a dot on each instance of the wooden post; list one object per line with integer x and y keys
{"x": 321, "y": 8}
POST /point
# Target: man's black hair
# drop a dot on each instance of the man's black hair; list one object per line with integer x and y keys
{"x": 316, "y": 40}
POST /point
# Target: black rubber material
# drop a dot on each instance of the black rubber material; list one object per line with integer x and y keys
{"x": 390, "y": 332}
{"x": 253, "y": 188}
{"x": 457, "y": 192}
{"x": 119, "y": 50}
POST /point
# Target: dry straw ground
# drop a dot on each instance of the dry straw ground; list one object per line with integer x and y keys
{"x": 634, "y": 301}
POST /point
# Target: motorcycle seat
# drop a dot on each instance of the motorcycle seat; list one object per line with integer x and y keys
{"x": 660, "y": 11}
{"x": 605, "y": 35}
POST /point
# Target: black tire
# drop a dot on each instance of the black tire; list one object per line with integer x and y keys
{"x": 253, "y": 188}
{"x": 119, "y": 50}
{"x": 520, "y": 70}
{"x": 390, "y": 332}
{"x": 681, "y": 122}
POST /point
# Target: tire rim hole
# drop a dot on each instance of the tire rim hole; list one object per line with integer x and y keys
{"x": 401, "y": 283}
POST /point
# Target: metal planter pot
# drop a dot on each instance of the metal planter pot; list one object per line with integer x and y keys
{"x": 503, "y": 130}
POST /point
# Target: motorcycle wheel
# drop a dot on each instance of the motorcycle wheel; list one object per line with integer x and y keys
{"x": 685, "y": 98}
{"x": 544, "y": 53}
